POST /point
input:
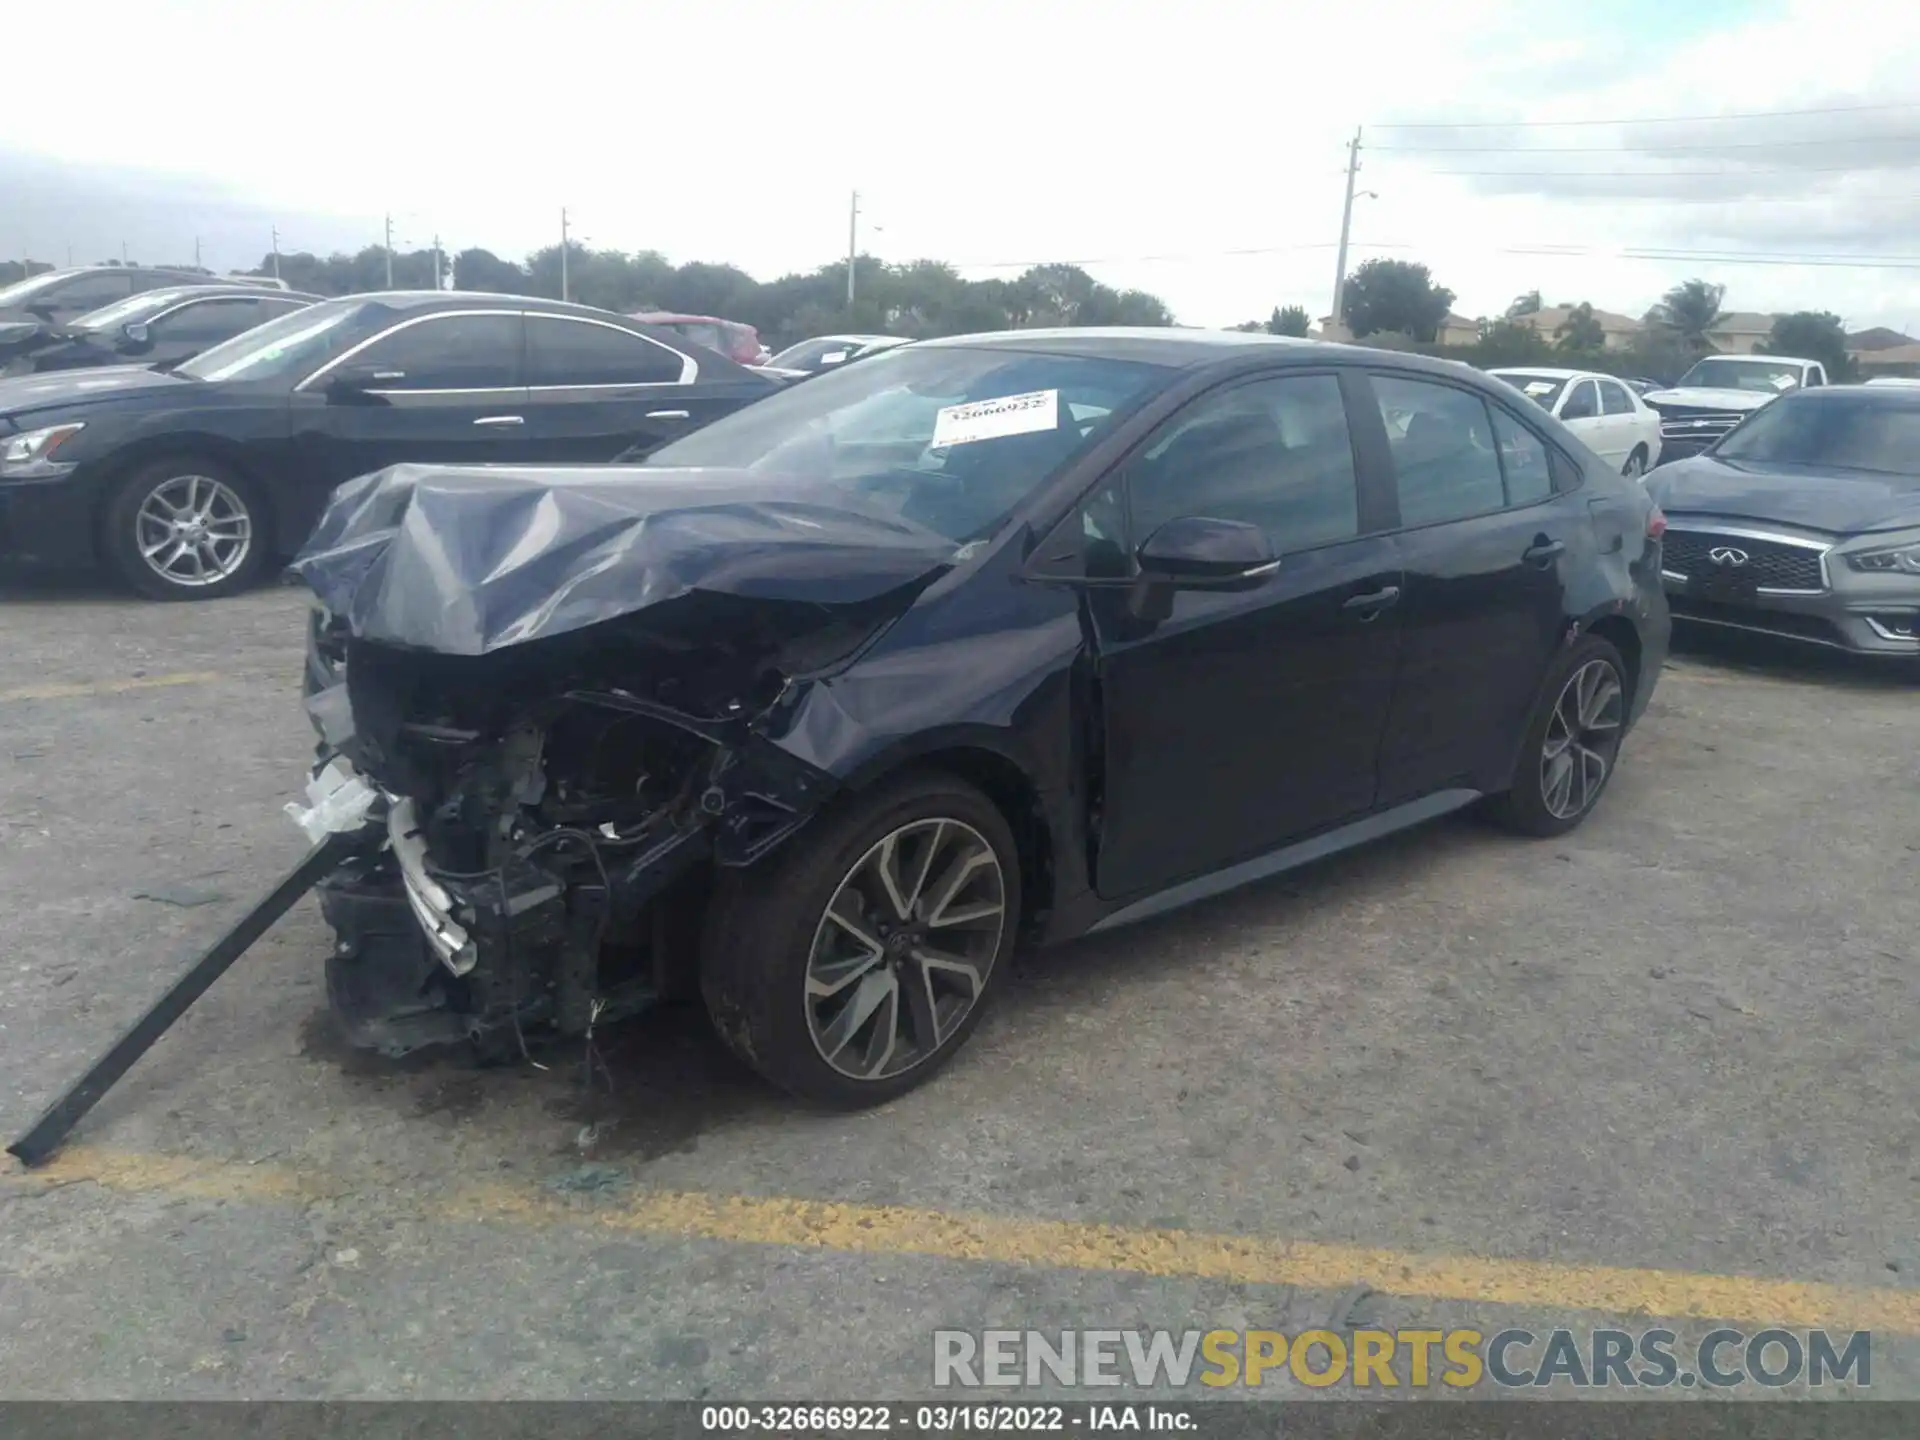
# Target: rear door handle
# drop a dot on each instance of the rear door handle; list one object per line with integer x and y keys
{"x": 501, "y": 420}
{"x": 667, "y": 415}
{"x": 1543, "y": 551}
{"x": 1373, "y": 603}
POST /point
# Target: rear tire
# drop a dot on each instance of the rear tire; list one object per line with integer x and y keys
{"x": 186, "y": 528}
{"x": 1636, "y": 465}
{"x": 811, "y": 963}
{"x": 1572, "y": 743}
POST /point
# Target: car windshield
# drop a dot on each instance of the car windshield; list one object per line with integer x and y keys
{"x": 1542, "y": 389}
{"x": 1720, "y": 373}
{"x": 811, "y": 354}
{"x": 1872, "y": 433}
{"x": 134, "y": 307}
{"x": 280, "y": 349}
{"x": 949, "y": 438}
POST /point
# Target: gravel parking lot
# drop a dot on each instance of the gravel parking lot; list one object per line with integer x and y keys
{"x": 1665, "y": 1066}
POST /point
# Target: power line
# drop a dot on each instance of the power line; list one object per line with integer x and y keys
{"x": 1667, "y": 174}
{"x": 1643, "y": 149}
{"x": 1650, "y": 119}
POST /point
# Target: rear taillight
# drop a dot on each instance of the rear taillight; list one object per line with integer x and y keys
{"x": 1656, "y": 523}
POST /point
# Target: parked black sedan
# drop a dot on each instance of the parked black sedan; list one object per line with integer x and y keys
{"x": 158, "y": 329}
{"x": 1014, "y": 635}
{"x": 1804, "y": 522}
{"x": 188, "y": 483}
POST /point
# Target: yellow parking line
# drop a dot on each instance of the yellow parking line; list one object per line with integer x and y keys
{"x": 1067, "y": 1245}
{"x": 75, "y": 689}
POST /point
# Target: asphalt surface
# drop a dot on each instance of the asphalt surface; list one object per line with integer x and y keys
{"x": 1665, "y": 1065}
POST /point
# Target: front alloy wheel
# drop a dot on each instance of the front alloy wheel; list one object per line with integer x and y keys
{"x": 194, "y": 532}
{"x": 901, "y": 956}
{"x": 1583, "y": 737}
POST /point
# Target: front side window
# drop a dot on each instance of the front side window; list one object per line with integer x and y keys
{"x": 1614, "y": 399}
{"x": 88, "y": 292}
{"x": 1443, "y": 452}
{"x": 205, "y": 321}
{"x": 1583, "y": 403}
{"x": 578, "y": 352}
{"x": 449, "y": 352}
{"x": 946, "y": 438}
{"x": 1273, "y": 453}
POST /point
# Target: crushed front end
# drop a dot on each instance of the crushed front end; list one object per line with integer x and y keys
{"x": 541, "y": 836}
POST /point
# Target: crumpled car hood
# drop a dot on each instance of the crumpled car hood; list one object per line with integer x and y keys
{"x": 467, "y": 560}
{"x": 1839, "y": 502}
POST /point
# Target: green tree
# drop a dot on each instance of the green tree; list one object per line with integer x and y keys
{"x": 1690, "y": 310}
{"x": 1581, "y": 330}
{"x": 477, "y": 269}
{"x": 1395, "y": 295}
{"x": 1292, "y": 320}
{"x": 1509, "y": 342}
{"x": 1813, "y": 335}
{"x": 1527, "y": 304}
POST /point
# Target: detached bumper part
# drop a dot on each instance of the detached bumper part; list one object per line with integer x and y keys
{"x": 432, "y": 905}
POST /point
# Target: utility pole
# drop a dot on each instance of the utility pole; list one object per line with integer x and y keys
{"x": 196, "y": 253}
{"x": 437, "y": 282}
{"x": 563, "y": 253}
{"x": 276, "y": 252}
{"x": 389, "y": 252}
{"x": 1346, "y": 225}
{"x": 853, "y": 243}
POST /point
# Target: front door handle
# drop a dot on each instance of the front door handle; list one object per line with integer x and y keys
{"x": 1373, "y": 603}
{"x": 1543, "y": 550}
{"x": 667, "y": 415}
{"x": 501, "y": 420}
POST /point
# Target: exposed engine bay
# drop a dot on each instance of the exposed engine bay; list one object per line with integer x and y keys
{"x": 550, "y": 819}
{"x": 544, "y": 699}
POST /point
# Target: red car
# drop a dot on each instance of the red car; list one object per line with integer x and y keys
{"x": 739, "y": 343}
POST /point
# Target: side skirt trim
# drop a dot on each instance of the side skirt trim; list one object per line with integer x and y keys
{"x": 1291, "y": 857}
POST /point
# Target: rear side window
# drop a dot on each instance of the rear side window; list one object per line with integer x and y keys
{"x": 1614, "y": 399}
{"x": 1273, "y": 453}
{"x": 1523, "y": 460}
{"x": 562, "y": 353}
{"x": 1445, "y": 464}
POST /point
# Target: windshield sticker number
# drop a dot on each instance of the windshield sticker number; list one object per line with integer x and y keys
{"x": 1539, "y": 387}
{"x": 993, "y": 419}
{"x": 1784, "y": 382}
{"x": 833, "y": 357}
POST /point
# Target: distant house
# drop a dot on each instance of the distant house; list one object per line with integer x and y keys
{"x": 1862, "y": 342}
{"x": 1893, "y": 360}
{"x": 1618, "y": 331}
{"x": 1741, "y": 332}
{"x": 1457, "y": 330}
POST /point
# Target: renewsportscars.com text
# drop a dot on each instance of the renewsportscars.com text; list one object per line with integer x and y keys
{"x": 1370, "y": 1359}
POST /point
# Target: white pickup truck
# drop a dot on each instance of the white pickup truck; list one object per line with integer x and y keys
{"x": 1719, "y": 392}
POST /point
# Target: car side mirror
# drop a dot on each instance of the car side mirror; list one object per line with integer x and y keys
{"x": 356, "y": 382}
{"x": 1196, "y": 552}
{"x": 134, "y": 337}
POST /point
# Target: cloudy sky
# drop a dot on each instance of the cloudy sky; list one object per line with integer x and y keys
{"x": 1195, "y": 151}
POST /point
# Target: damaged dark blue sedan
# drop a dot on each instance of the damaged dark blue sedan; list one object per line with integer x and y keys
{"x": 824, "y": 708}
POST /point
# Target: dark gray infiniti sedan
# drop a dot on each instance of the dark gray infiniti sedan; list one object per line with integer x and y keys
{"x": 1803, "y": 522}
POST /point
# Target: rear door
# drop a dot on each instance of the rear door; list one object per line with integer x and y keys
{"x": 450, "y": 393}
{"x": 1626, "y": 428}
{"x": 1489, "y": 527}
{"x": 1245, "y": 717}
{"x": 597, "y": 391}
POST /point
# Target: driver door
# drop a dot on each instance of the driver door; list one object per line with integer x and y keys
{"x": 1249, "y": 717}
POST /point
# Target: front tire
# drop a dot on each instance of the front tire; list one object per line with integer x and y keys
{"x": 186, "y": 528}
{"x": 850, "y": 967}
{"x": 1572, "y": 744}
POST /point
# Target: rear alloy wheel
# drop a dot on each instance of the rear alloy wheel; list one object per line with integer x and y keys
{"x": 1572, "y": 743}
{"x": 185, "y": 529}
{"x": 850, "y": 966}
{"x": 1636, "y": 465}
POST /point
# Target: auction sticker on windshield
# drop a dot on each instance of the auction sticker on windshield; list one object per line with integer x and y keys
{"x": 992, "y": 419}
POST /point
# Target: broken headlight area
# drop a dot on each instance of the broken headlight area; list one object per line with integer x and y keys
{"x": 548, "y": 824}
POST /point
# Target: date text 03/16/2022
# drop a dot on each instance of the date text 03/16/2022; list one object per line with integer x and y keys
{"x": 943, "y": 1419}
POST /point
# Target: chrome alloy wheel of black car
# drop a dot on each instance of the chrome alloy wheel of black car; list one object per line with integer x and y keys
{"x": 902, "y": 954}
{"x": 194, "y": 531}
{"x": 1583, "y": 737}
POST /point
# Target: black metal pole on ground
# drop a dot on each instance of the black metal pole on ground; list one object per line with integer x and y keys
{"x": 52, "y": 1127}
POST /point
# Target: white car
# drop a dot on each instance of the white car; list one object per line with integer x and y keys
{"x": 1608, "y": 416}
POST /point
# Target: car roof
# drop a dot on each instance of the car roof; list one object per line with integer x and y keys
{"x": 223, "y": 292}
{"x": 1549, "y": 372}
{"x": 673, "y": 317}
{"x": 1905, "y": 397}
